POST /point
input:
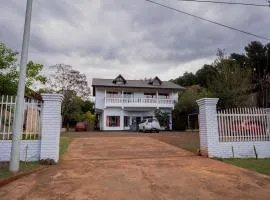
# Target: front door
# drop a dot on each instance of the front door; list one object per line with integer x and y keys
{"x": 135, "y": 123}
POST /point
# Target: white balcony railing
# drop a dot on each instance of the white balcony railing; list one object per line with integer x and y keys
{"x": 139, "y": 102}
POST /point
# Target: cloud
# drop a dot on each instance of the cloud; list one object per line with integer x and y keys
{"x": 103, "y": 38}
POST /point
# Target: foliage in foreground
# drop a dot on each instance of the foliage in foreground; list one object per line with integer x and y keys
{"x": 260, "y": 165}
{"x": 9, "y": 72}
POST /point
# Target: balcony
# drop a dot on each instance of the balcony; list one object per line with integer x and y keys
{"x": 139, "y": 102}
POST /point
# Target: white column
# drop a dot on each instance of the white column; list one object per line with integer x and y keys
{"x": 51, "y": 123}
{"x": 122, "y": 119}
{"x": 105, "y": 98}
{"x": 122, "y": 96}
{"x": 104, "y": 120}
{"x": 208, "y": 125}
{"x": 157, "y": 100}
{"x": 170, "y": 121}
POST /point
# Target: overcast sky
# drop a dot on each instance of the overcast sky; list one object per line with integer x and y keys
{"x": 104, "y": 38}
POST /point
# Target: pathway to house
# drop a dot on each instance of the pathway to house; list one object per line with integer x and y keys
{"x": 129, "y": 167}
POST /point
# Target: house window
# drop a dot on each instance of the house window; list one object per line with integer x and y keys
{"x": 163, "y": 95}
{"x": 113, "y": 94}
{"x": 150, "y": 95}
{"x": 113, "y": 121}
{"x": 128, "y": 94}
{"x": 126, "y": 121}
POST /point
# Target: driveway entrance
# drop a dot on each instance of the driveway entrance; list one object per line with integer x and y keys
{"x": 130, "y": 167}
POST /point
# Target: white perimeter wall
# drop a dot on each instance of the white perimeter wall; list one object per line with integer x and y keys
{"x": 240, "y": 149}
{"x": 30, "y": 150}
{"x": 48, "y": 146}
{"x": 209, "y": 136}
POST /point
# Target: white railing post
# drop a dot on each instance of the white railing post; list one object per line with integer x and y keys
{"x": 209, "y": 135}
{"x": 157, "y": 99}
{"x": 267, "y": 110}
{"x": 122, "y": 99}
{"x": 105, "y": 98}
{"x": 50, "y": 126}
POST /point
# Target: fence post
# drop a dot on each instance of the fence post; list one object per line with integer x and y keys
{"x": 208, "y": 125}
{"x": 50, "y": 126}
{"x": 268, "y": 121}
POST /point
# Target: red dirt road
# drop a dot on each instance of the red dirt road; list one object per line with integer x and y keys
{"x": 138, "y": 168}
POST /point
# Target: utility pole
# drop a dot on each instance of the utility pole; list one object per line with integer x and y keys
{"x": 19, "y": 112}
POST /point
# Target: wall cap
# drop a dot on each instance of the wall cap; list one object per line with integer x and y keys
{"x": 207, "y": 101}
{"x": 52, "y": 97}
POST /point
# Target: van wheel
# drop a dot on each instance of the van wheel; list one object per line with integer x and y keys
{"x": 157, "y": 131}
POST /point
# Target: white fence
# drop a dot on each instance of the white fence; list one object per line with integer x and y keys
{"x": 243, "y": 124}
{"x": 233, "y": 133}
{"x": 41, "y": 128}
{"x": 31, "y": 125}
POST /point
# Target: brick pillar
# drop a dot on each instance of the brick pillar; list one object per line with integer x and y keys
{"x": 50, "y": 126}
{"x": 208, "y": 125}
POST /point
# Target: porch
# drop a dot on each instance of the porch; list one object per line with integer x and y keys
{"x": 140, "y": 102}
{"x": 119, "y": 119}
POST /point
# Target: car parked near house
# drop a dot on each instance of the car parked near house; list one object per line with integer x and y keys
{"x": 81, "y": 126}
{"x": 248, "y": 126}
{"x": 150, "y": 124}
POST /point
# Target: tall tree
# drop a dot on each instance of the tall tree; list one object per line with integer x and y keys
{"x": 187, "y": 79}
{"x": 205, "y": 75}
{"x": 241, "y": 59}
{"x": 64, "y": 79}
{"x": 187, "y": 105}
{"x": 74, "y": 87}
{"x": 256, "y": 54}
{"x": 232, "y": 84}
{"x": 9, "y": 74}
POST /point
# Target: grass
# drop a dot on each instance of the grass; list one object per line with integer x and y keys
{"x": 28, "y": 166}
{"x": 190, "y": 142}
{"x": 260, "y": 165}
{"x": 186, "y": 140}
{"x": 24, "y": 167}
{"x": 64, "y": 143}
{"x": 192, "y": 146}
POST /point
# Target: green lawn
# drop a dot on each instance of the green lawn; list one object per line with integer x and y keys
{"x": 64, "y": 143}
{"x": 260, "y": 165}
{"x": 26, "y": 167}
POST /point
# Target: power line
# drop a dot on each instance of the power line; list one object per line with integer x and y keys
{"x": 229, "y": 3}
{"x": 207, "y": 20}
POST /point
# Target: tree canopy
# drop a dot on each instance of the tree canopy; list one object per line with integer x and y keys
{"x": 9, "y": 72}
{"x": 74, "y": 87}
{"x": 64, "y": 78}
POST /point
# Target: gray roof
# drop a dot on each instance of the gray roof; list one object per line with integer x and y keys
{"x": 135, "y": 84}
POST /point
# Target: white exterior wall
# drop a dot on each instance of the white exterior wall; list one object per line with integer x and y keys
{"x": 30, "y": 150}
{"x": 209, "y": 136}
{"x": 100, "y": 98}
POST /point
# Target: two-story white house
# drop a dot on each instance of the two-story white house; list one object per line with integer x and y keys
{"x": 121, "y": 104}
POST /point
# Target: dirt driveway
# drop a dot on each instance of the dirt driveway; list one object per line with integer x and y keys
{"x": 137, "y": 168}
